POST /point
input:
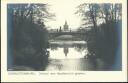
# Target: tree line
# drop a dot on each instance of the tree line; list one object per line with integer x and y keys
{"x": 104, "y": 36}
{"x": 29, "y": 35}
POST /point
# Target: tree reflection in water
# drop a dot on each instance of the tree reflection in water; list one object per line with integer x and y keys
{"x": 73, "y": 57}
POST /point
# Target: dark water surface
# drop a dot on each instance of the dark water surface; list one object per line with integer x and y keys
{"x": 67, "y": 56}
{"x": 73, "y": 56}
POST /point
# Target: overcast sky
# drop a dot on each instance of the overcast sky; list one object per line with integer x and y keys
{"x": 64, "y": 10}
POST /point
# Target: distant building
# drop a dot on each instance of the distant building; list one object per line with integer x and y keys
{"x": 65, "y": 26}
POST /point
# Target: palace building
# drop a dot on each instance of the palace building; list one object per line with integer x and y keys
{"x": 65, "y": 26}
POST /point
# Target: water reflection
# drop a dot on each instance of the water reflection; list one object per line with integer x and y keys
{"x": 74, "y": 57}
{"x": 68, "y": 56}
{"x": 65, "y": 51}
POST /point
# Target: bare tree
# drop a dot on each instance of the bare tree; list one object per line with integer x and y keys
{"x": 110, "y": 12}
{"x": 33, "y": 12}
{"x": 89, "y": 12}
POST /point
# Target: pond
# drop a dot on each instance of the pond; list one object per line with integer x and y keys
{"x": 71, "y": 56}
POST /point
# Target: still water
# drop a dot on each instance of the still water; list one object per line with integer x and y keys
{"x": 71, "y": 56}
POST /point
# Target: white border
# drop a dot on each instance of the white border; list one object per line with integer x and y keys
{"x": 93, "y": 76}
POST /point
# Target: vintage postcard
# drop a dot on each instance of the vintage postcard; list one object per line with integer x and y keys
{"x": 64, "y": 40}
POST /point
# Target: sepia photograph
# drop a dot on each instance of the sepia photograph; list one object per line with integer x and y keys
{"x": 55, "y": 37}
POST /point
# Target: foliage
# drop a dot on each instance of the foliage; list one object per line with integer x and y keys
{"x": 93, "y": 13}
{"x": 29, "y": 34}
{"x": 103, "y": 39}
